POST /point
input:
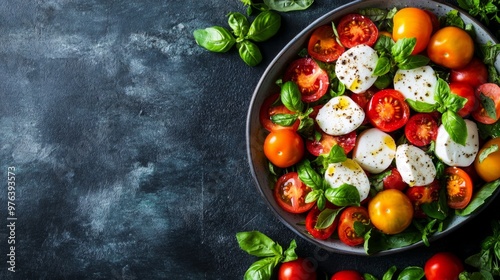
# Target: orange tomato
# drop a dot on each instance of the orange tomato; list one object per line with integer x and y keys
{"x": 451, "y": 47}
{"x": 413, "y": 23}
{"x": 390, "y": 211}
{"x": 284, "y": 147}
{"x": 488, "y": 168}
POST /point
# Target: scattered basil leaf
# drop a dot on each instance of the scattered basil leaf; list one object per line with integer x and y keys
{"x": 411, "y": 273}
{"x": 262, "y": 269}
{"x": 291, "y": 97}
{"x": 288, "y": 5}
{"x": 215, "y": 39}
{"x": 249, "y": 52}
{"x": 389, "y": 273}
{"x": 403, "y": 49}
{"x": 264, "y": 26}
{"x": 289, "y": 253}
{"x": 258, "y": 244}
{"x": 455, "y": 126}
{"x": 344, "y": 195}
{"x": 238, "y": 23}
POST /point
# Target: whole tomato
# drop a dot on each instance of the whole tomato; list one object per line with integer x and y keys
{"x": 347, "y": 275}
{"x": 475, "y": 73}
{"x": 443, "y": 266}
{"x": 390, "y": 211}
{"x": 487, "y": 168}
{"x": 300, "y": 268}
{"x": 284, "y": 147}
{"x": 413, "y": 23}
{"x": 451, "y": 47}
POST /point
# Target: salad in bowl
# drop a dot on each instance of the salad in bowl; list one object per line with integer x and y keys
{"x": 377, "y": 128}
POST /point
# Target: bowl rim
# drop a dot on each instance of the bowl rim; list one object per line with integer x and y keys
{"x": 325, "y": 18}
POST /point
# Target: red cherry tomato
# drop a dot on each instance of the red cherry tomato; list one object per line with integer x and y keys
{"x": 348, "y": 217}
{"x": 268, "y": 110}
{"x": 356, "y": 29}
{"x": 290, "y": 193}
{"x": 283, "y": 147}
{"x": 419, "y": 195}
{"x": 311, "y": 221}
{"x": 312, "y": 81}
{"x": 323, "y": 46}
{"x": 388, "y": 110}
{"x": 323, "y": 145}
{"x": 475, "y": 73}
{"x": 466, "y": 91}
{"x": 421, "y": 129}
{"x": 492, "y": 91}
{"x": 300, "y": 268}
{"x": 347, "y": 275}
{"x": 443, "y": 266}
{"x": 394, "y": 181}
{"x": 459, "y": 187}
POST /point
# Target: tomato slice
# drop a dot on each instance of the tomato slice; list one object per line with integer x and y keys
{"x": 290, "y": 193}
{"x": 459, "y": 187}
{"x": 313, "y": 82}
{"x": 421, "y": 129}
{"x": 394, "y": 181}
{"x": 326, "y": 142}
{"x": 268, "y": 110}
{"x": 419, "y": 195}
{"x": 492, "y": 91}
{"x": 311, "y": 221}
{"x": 348, "y": 217}
{"x": 356, "y": 29}
{"x": 388, "y": 110}
{"x": 323, "y": 45}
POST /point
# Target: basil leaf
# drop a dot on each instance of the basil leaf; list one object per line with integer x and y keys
{"x": 455, "y": 126}
{"x": 290, "y": 254}
{"x": 238, "y": 23}
{"x": 262, "y": 269}
{"x": 215, "y": 39}
{"x": 309, "y": 176}
{"x": 383, "y": 66}
{"x": 383, "y": 81}
{"x": 489, "y": 105}
{"x": 441, "y": 92}
{"x": 484, "y": 154}
{"x": 337, "y": 154}
{"x": 284, "y": 119}
{"x": 344, "y": 195}
{"x": 376, "y": 241}
{"x": 375, "y": 14}
{"x": 411, "y": 273}
{"x": 367, "y": 276}
{"x": 249, "y": 52}
{"x": 489, "y": 130}
{"x": 479, "y": 198}
{"x": 403, "y": 49}
{"x": 454, "y": 102}
{"x": 327, "y": 217}
{"x": 264, "y": 26}
{"x": 313, "y": 196}
{"x": 389, "y": 273}
{"x": 258, "y": 244}
{"x": 291, "y": 97}
{"x": 413, "y": 61}
{"x": 288, "y": 5}
{"x": 421, "y": 107}
{"x": 383, "y": 45}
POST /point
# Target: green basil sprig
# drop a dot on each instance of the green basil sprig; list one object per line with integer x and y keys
{"x": 264, "y": 26}
{"x": 271, "y": 253}
{"x": 215, "y": 39}
{"x": 277, "y": 5}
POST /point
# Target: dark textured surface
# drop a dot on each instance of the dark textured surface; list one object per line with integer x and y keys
{"x": 128, "y": 142}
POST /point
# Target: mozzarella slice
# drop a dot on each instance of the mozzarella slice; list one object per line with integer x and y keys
{"x": 417, "y": 84}
{"x": 454, "y": 154}
{"x": 414, "y": 165}
{"x": 374, "y": 150}
{"x": 354, "y": 68}
{"x": 340, "y": 116}
{"x": 348, "y": 172}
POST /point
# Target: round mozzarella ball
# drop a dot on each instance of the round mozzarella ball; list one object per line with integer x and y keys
{"x": 414, "y": 165}
{"x": 348, "y": 172}
{"x": 417, "y": 84}
{"x": 340, "y": 115}
{"x": 374, "y": 150}
{"x": 454, "y": 154}
{"x": 354, "y": 68}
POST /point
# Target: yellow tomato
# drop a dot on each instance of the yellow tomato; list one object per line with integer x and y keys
{"x": 390, "y": 211}
{"x": 451, "y": 47}
{"x": 489, "y": 167}
{"x": 413, "y": 23}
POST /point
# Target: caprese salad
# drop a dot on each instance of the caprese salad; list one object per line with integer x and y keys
{"x": 385, "y": 126}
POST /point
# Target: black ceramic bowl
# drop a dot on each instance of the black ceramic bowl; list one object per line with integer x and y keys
{"x": 256, "y": 133}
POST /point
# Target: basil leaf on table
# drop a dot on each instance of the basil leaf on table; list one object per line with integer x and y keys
{"x": 262, "y": 269}
{"x": 258, "y": 244}
{"x": 239, "y": 24}
{"x": 264, "y": 26}
{"x": 215, "y": 38}
{"x": 411, "y": 273}
{"x": 288, "y": 5}
{"x": 249, "y": 52}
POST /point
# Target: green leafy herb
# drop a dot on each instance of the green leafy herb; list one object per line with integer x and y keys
{"x": 327, "y": 217}
{"x": 264, "y": 26}
{"x": 239, "y": 24}
{"x": 291, "y": 97}
{"x": 489, "y": 105}
{"x": 489, "y": 130}
{"x": 455, "y": 126}
{"x": 288, "y": 5}
{"x": 344, "y": 195}
{"x": 215, "y": 39}
{"x": 249, "y": 52}
{"x": 479, "y": 198}
{"x": 487, "y": 261}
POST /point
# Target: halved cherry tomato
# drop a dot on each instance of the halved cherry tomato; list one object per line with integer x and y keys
{"x": 443, "y": 266}
{"x": 412, "y": 23}
{"x": 283, "y": 147}
{"x": 348, "y": 217}
{"x": 388, "y": 110}
{"x": 451, "y": 47}
{"x": 311, "y": 221}
{"x": 290, "y": 193}
{"x": 459, "y": 187}
{"x": 363, "y": 98}
{"x": 487, "y": 167}
{"x": 394, "y": 181}
{"x": 419, "y": 195}
{"x": 466, "y": 91}
{"x": 491, "y": 91}
{"x": 390, "y": 211}
{"x": 356, "y": 29}
{"x": 421, "y": 129}
{"x": 268, "y": 110}
{"x": 326, "y": 142}
{"x": 300, "y": 268}
{"x": 347, "y": 275}
{"x": 475, "y": 73}
{"x": 312, "y": 81}
{"x": 323, "y": 45}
